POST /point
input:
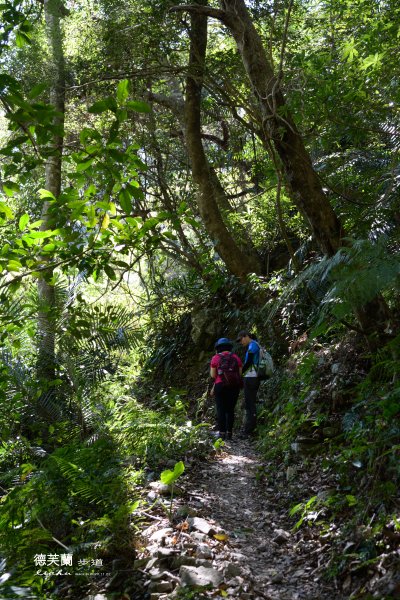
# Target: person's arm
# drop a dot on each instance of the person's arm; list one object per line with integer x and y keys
{"x": 214, "y": 366}
{"x": 249, "y": 361}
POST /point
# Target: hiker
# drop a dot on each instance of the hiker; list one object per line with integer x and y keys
{"x": 251, "y": 380}
{"x": 226, "y": 371}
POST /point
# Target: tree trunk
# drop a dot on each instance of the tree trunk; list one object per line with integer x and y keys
{"x": 46, "y": 292}
{"x": 238, "y": 261}
{"x": 279, "y": 128}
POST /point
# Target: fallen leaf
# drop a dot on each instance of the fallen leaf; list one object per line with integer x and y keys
{"x": 221, "y": 537}
{"x": 183, "y": 526}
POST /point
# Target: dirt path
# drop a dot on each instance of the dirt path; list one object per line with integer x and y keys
{"x": 240, "y": 537}
{"x": 283, "y": 565}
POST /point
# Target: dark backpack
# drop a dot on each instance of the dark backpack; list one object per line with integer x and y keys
{"x": 228, "y": 370}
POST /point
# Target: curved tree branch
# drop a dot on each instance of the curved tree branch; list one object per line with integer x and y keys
{"x": 238, "y": 261}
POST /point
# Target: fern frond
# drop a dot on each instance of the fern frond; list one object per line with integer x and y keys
{"x": 350, "y": 279}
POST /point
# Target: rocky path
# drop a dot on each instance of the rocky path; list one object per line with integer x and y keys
{"x": 232, "y": 534}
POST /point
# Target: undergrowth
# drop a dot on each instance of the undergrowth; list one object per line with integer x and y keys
{"x": 355, "y": 441}
{"x": 79, "y": 492}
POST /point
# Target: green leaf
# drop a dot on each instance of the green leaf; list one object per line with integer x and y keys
{"x": 295, "y": 509}
{"x": 125, "y": 201}
{"x": 9, "y": 188}
{"x": 122, "y": 115}
{"x": 168, "y": 477}
{"x": 110, "y": 273}
{"x": 351, "y": 500}
{"x": 123, "y": 91}
{"x": 372, "y": 61}
{"x": 37, "y": 90}
{"x": 105, "y": 222}
{"x": 23, "y": 221}
{"x": 36, "y": 224}
{"x": 21, "y": 39}
{"x": 14, "y": 265}
{"x": 103, "y": 105}
{"x": 45, "y": 194}
{"x": 138, "y": 106}
{"x": 84, "y": 165}
{"x": 349, "y": 50}
{"x": 6, "y": 210}
{"x": 87, "y": 135}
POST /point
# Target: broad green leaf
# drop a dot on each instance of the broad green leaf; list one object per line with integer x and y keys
{"x": 90, "y": 191}
{"x": 14, "y": 265}
{"x": 21, "y": 39}
{"x": 182, "y": 208}
{"x": 84, "y": 165}
{"x": 122, "y": 264}
{"x": 349, "y": 50}
{"x": 49, "y": 247}
{"x": 122, "y": 115}
{"x": 45, "y": 194}
{"x": 168, "y": 477}
{"x": 36, "y": 224}
{"x": 6, "y": 210}
{"x": 103, "y": 105}
{"x": 88, "y": 134}
{"x": 38, "y": 235}
{"x": 103, "y": 204}
{"x": 9, "y": 188}
{"x": 150, "y": 223}
{"x": 110, "y": 272}
{"x": 125, "y": 201}
{"x": 37, "y": 90}
{"x": 23, "y": 221}
{"x": 123, "y": 91}
{"x": 138, "y": 106}
{"x": 91, "y": 215}
{"x": 106, "y": 221}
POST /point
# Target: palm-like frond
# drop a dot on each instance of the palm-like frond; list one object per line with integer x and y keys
{"x": 92, "y": 345}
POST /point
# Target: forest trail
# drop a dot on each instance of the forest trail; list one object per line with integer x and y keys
{"x": 258, "y": 555}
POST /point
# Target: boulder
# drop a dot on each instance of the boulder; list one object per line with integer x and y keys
{"x": 200, "y": 576}
{"x": 201, "y": 525}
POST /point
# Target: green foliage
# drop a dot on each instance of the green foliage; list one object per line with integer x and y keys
{"x": 169, "y": 477}
{"x": 83, "y": 494}
{"x": 219, "y": 444}
{"x": 329, "y": 290}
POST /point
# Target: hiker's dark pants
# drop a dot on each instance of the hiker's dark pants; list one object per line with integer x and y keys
{"x": 225, "y": 400}
{"x": 251, "y": 385}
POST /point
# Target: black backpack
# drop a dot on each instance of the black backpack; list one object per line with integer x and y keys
{"x": 228, "y": 370}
